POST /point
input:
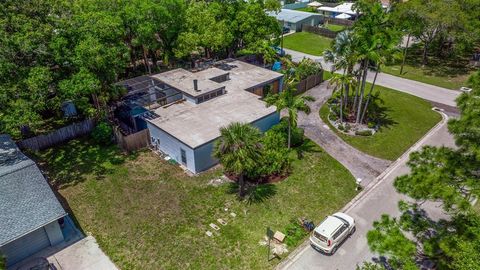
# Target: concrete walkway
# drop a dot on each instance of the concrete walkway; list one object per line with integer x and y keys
{"x": 358, "y": 163}
{"x": 429, "y": 92}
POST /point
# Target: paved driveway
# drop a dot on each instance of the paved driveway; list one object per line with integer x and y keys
{"x": 377, "y": 199}
{"x": 358, "y": 163}
{"x": 429, "y": 92}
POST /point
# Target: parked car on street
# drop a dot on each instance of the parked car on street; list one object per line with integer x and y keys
{"x": 328, "y": 236}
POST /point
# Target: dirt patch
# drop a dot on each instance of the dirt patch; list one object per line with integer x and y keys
{"x": 274, "y": 178}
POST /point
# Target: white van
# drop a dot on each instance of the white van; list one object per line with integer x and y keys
{"x": 331, "y": 232}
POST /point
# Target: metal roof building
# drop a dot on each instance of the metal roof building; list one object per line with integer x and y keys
{"x": 294, "y": 19}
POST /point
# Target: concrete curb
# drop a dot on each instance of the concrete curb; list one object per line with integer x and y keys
{"x": 291, "y": 258}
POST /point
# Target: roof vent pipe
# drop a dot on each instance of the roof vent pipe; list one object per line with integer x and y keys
{"x": 195, "y": 85}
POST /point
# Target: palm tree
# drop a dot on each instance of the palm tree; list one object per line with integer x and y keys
{"x": 238, "y": 150}
{"x": 343, "y": 81}
{"x": 287, "y": 100}
{"x": 343, "y": 55}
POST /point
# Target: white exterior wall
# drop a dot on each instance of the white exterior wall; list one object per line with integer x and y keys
{"x": 171, "y": 146}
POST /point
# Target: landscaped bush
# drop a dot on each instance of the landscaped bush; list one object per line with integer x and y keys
{"x": 297, "y": 133}
{"x": 371, "y": 124}
{"x": 365, "y": 132}
{"x": 102, "y": 133}
{"x": 307, "y": 67}
{"x": 275, "y": 156}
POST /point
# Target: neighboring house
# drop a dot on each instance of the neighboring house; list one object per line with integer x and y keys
{"x": 29, "y": 211}
{"x": 294, "y": 19}
{"x": 342, "y": 11}
{"x": 187, "y": 109}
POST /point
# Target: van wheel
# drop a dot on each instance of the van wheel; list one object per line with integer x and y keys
{"x": 353, "y": 230}
{"x": 334, "y": 250}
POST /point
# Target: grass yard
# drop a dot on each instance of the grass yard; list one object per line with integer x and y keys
{"x": 307, "y": 43}
{"x": 450, "y": 74}
{"x": 411, "y": 117}
{"x": 307, "y": 9}
{"x": 334, "y": 27}
{"x": 147, "y": 214}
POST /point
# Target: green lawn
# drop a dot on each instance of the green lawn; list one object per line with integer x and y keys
{"x": 447, "y": 73}
{"x": 307, "y": 9}
{"x": 147, "y": 214}
{"x": 335, "y": 28}
{"x": 411, "y": 117}
{"x": 307, "y": 43}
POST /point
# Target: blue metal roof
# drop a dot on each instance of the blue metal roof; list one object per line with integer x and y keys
{"x": 26, "y": 200}
{"x": 292, "y": 16}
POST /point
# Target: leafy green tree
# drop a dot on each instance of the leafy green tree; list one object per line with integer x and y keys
{"x": 287, "y": 100}
{"x": 238, "y": 149}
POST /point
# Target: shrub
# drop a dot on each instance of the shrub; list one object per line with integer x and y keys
{"x": 307, "y": 67}
{"x": 347, "y": 127}
{"x": 282, "y": 128}
{"x": 364, "y": 132}
{"x": 371, "y": 125}
{"x": 102, "y": 133}
{"x": 275, "y": 158}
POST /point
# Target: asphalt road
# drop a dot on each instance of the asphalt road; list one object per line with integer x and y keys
{"x": 380, "y": 198}
{"x": 429, "y": 92}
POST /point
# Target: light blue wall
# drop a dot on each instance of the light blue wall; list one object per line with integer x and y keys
{"x": 267, "y": 122}
{"x": 171, "y": 146}
{"x": 204, "y": 158}
{"x": 200, "y": 158}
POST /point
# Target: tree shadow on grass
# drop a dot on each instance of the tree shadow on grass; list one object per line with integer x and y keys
{"x": 378, "y": 113}
{"x": 307, "y": 146}
{"x": 254, "y": 193}
{"x": 71, "y": 163}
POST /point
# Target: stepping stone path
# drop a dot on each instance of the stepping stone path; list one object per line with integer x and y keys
{"x": 209, "y": 233}
{"x": 214, "y": 226}
{"x": 233, "y": 214}
{"x": 221, "y": 221}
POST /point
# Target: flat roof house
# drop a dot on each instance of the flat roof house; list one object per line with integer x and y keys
{"x": 29, "y": 211}
{"x": 185, "y": 110}
{"x": 294, "y": 19}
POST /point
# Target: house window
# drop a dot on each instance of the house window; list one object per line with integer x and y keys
{"x": 183, "y": 156}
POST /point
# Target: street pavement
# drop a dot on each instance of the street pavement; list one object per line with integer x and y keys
{"x": 429, "y": 92}
{"x": 377, "y": 199}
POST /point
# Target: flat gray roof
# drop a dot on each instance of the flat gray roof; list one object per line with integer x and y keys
{"x": 26, "y": 200}
{"x": 292, "y": 16}
{"x": 197, "y": 124}
{"x": 182, "y": 80}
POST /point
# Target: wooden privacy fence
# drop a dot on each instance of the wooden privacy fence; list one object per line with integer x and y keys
{"x": 338, "y": 21}
{"x": 59, "y": 136}
{"x": 132, "y": 142}
{"x": 319, "y": 31}
{"x": 310, "y": 82}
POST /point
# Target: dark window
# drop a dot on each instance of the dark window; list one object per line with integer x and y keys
{"x": 183, "y": 155}
{"x": 340, "y": 231}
